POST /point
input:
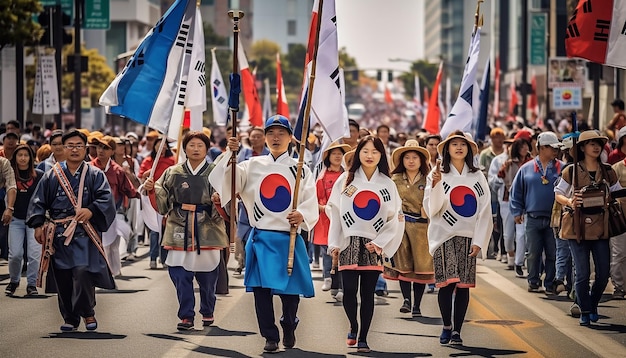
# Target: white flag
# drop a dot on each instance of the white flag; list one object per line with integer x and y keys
{"x": 417, "y": 97}
{"x": 196, "y": 98}
{"x": 219, "y": 96}
{"x": 460, "y": 117}
{"x": 267, "y": 100}
{"x": 46, "y": 96}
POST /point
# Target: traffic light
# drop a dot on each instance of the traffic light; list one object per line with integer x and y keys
{"x": 379, "y": 75}
{"x": 45, "y": 20}
{"x": 390, "y": 76}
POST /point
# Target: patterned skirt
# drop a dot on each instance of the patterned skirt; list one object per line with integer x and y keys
{"x": 356, "y": 256}
{"x": 453, "y": 265}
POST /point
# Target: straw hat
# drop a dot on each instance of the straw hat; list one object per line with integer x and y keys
{"x": 106, "y": 140}
{"x": 335, "y": 145}
{"x": 410, "y": 145}
{"x": 591, "y": 134}
{"x": 452, "y": 136}
{"x": 349, "y": 156}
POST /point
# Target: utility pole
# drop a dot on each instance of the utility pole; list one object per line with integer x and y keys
{"x": 524, "y": 59}
{"x": 78, "y": 17}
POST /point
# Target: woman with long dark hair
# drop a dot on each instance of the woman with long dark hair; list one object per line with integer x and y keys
{"x": 458, "y": 203}
{"x": 26, "y": 179}
{"x": 366, "y": 222}
{"x": 412, "y": 265}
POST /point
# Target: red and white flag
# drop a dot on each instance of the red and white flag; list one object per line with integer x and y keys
{"x": 597, "y": 33}
{"x": 431, "y": 124}
{"x": 250, "y": 94}
{"x": 282, "y": 107}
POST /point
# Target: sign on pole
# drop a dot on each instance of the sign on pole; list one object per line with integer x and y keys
{"x": 46, "y": 97}
{"x": 67, "y": 6}
{"x": 538, "y": 38}
{"x": 97, "y": 15}
{"x": 567, "y": 98}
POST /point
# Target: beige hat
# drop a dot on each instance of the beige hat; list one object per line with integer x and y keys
{"x": 591, "y": 134}
{"x": 335, "y": 145}
{"x": 410, "y": 145}
{"x": 348, "y": 157}
{"x": 454, "y": 135}
{"x": 106, "y": 141}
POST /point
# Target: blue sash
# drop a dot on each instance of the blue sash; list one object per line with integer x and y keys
{"x": 266, "y": 264}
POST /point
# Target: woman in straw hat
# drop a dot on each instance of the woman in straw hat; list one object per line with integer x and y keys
{"x": 458, "y": 202}
{"x": 365, "y": 222}
{"x": 332, "y": 159}
{"x": 412, "y": 263}
{"x": 590, "y": 170}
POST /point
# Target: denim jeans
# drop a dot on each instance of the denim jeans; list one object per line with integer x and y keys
{"x": 520, "y": 243}
{"x": 508, "y": 226}
{"x": 563, "y": 260}
{"x": 601, "y": 253}
{"x": 618, "y": 261}
{"x": 327, "y": 261}
{"x": 381, "y": 284}
{"x": 18, "y": 232}
{"x": 540, "y": 240}
{"x": 155, "y": 247}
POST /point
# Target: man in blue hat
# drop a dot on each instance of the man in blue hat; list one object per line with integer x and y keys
{"x": 266, "y": 185}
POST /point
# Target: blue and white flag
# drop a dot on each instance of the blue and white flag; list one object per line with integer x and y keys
{"x": 154, "y": 79}
{"x": 219, "y": 96}
{"x": 462, "y": 113}
{"x": 481, "y": 126}
{"x": 196, "y": 89}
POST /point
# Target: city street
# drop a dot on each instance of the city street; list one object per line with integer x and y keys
{"x": 139, "y": 320}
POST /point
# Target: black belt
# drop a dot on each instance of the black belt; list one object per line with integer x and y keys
{"x": 194, "y": 209}
{"x": 415, "y": 218}
{"x": 534, "y": 216}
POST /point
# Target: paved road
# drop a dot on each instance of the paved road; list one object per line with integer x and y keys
{"x": 139, "y": 320}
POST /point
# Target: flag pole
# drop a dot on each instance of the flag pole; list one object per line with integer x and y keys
{"x": 305, "y": 127}
{"x": 233, "y": 103}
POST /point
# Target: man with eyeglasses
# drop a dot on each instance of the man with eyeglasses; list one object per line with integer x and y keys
{"x": 73, "y": 232}
{"x": 58, "y": 151}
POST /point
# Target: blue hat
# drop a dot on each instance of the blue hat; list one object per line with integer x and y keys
{"x": 278, "y": 121}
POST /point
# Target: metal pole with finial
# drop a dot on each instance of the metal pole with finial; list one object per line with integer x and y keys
{"x": 305, "y": 126}
{"x": 233, "y": 104}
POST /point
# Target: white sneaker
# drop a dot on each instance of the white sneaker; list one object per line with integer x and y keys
{"x": 339, "y": 296}
{"x": 327, "y": 284}
{"x": 130, "y": 257}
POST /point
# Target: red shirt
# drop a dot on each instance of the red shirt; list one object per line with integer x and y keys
{"x": 615, "y": 156}
{"x": 324, "y": 186}
{"x": 120, "y": 185}
{"x": 164, "y": 163}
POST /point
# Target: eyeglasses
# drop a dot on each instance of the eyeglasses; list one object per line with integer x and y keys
{"x": 72, "y": 147}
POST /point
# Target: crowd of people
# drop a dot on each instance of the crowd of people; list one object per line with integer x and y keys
{"x": 378, "y": 206}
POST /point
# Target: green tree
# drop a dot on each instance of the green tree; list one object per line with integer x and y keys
{"x": 16, "y": 22}
{"x": 427, "y": 73}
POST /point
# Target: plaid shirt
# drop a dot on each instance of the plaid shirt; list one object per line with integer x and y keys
{"x": 7, "y": 176}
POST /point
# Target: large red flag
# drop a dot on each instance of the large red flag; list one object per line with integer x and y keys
{"x": 249, "y": 90}
{"x": 388, "y": 98}
{"x": 514, "y": 101}
{"x": 533, "y": 104}
{"x": 434, "y": 112}
{"x": 282, "y": 107}
{"x": 597, "y": 32}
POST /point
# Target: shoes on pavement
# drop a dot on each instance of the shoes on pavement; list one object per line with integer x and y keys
{"x": 559, "y": 287}
{"x": 90, "y": 323}
{"x": 68, "y": 327}
{"x": 351, "y": 340}
{"x": 574, "y": 310}
{"x": 618, "y": 294}
{"x": 130, "y": 257}
{"x": 504, "y": 259}
{"x": 339, "y": 296}
{"x": 584, "y": 319}
{"x": 533, "y": 287}
{"x": 456, "y": 338}
{"x": 315, "y": 266}
{"x": 594, "y": 317}
{"x": 11, "y": 288}
{"x": 362, "y": 347}
{"x": 549, "y": 291}
{"x": 289, "y": 337}
{"x": 431, "y": 288}
{"x": 510, "y": 263}
{"x": 406, "y": 306}
{"x": 333, "y": 292}
{"x": 519, "y": 272}
{"x": 207, "y": 321}
{"x": 185, "y": 324}
{"x": 415, "y": 313}
{"x": 381, "y": 293}
{"x": 31, "y": 291}
{"x": 446, "y": 335}
{"x": 327, "y": 283}
{"x": 270, "y": 346}
{"x": 153, "y": 265}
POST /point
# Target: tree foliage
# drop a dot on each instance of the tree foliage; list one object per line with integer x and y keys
{"x": 16, "y": 22}
{"x": 427, "y": 73}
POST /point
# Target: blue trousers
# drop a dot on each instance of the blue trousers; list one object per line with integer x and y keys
{"x": 183, "y": 281}
{"x": 601, "y": 253}
{"x": 540, "y": 240}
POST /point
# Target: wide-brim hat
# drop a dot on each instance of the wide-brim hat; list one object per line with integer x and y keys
{"x": 451, "y": 136}
{"x": 107, "y": 141}
{"x": 591, "y": 134}
{"x": 410, "y": 145}
{"x": 349, "y": 156}
{"x": 346, "y": 148}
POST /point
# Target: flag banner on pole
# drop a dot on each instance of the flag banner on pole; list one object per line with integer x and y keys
{"x": 219, "y": 96}
{"x": 461, "y": 114}
{"x": 481, "y": 128}
{"x": 417, "y": 97}
{"x": 514, "y": 101}
{"x": 249, "y": 89}
{"x": 267, "y": 101}
{"x": 46, "y": 96}
{"x": 496, "y": 95}
{"x": 326, "y": 103}
{"x": 448, "y": 106}
{"x": 433, "y": 114}
{"x": 146, "y": 90}
{"x": 596, "y": 33}
{"x": 282, "y": 107}
{"x": 533, "y": 104}
{"x": 192, "y": 91}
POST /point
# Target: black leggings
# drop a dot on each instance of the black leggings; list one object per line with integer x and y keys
{"x": 461, "y": 302}
{"x": 418, "y": 292}
{"x": 350, "y": 279}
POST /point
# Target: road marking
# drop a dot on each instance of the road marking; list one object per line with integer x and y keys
{"x": 597, "y": 343}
